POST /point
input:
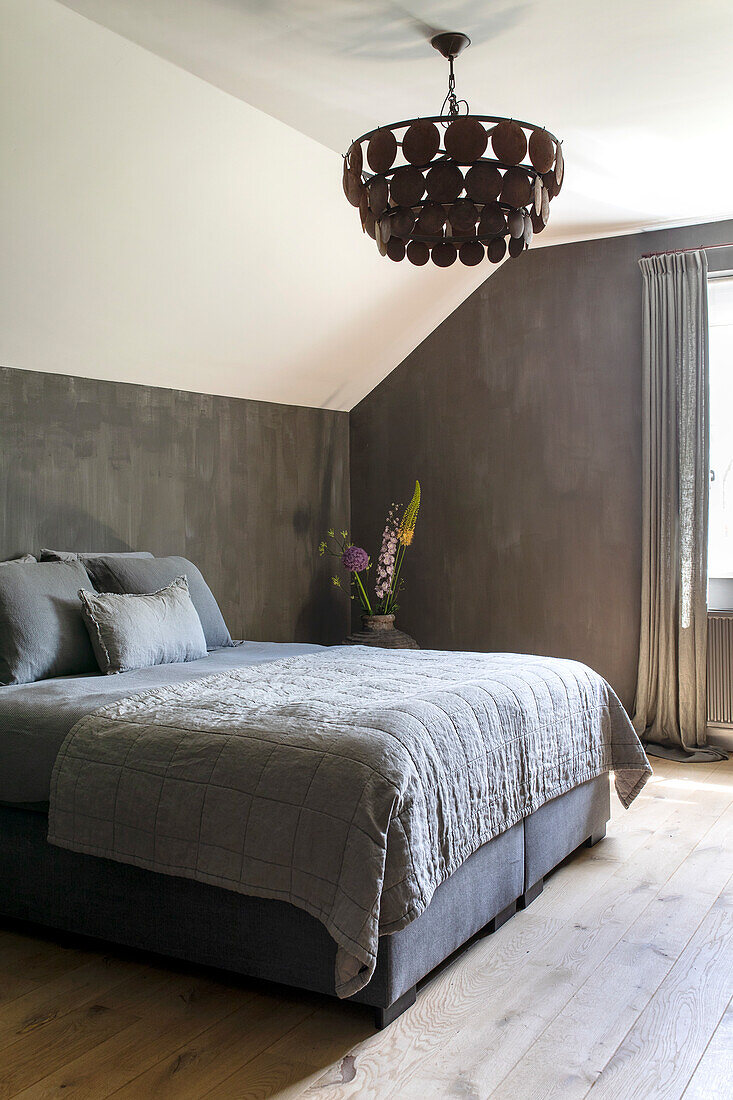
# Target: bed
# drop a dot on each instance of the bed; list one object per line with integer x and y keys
{"x": 337, "y": 819}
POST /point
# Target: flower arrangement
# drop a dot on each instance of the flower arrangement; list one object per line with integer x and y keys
{"x": 399, "y": 531}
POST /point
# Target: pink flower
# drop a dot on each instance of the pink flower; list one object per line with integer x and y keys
{"x": 387, "y": 554}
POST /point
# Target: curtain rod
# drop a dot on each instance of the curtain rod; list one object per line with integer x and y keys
{"x": 674, "y": 251}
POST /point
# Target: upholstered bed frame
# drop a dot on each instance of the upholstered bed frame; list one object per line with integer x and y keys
{"x": 273, "y": 940}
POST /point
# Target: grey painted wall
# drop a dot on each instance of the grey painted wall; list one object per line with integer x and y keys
{"x": 520, "y": 415}
{"x": 243, "y": 488}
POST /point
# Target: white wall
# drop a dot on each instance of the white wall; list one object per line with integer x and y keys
{"x": 155, "y": 229}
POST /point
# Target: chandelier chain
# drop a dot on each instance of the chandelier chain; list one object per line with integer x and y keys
{"x": 451, "y": 101}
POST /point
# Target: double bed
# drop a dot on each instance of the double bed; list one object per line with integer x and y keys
{"x": 338, "y": 819}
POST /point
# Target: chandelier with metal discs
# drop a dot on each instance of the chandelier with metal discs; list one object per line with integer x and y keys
{"x": 426, "y": 189}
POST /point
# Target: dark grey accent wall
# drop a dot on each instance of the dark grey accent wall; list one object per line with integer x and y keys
{"x": 520, "y": 415}
{"x": 245, "y": 489}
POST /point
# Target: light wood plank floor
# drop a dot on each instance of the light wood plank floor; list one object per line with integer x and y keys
{"x": 617, "y": 982}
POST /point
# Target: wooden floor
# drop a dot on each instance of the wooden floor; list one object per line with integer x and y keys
{"x": 615, "y": 983}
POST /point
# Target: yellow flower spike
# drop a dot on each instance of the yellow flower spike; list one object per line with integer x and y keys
{"x": 409, "y": 519}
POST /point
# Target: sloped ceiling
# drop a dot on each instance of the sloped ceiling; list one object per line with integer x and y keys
{"x": 640, "y": 92}
{"x": 183, "y": 224}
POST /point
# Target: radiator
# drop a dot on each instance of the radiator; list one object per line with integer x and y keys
{"x": 720, "y": 669}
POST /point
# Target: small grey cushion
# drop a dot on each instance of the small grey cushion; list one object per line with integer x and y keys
{"x": 42, "y": 633}
{"x": 130, "y": 631}
{"x": 136, "y": 575}
{"x": 23, "y": 559}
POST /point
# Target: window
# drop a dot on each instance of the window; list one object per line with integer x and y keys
{"x": 720, "y": 526}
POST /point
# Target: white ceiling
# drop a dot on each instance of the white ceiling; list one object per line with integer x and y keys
{"x": 640, "y": 91}
{"x": 155, "y": 229}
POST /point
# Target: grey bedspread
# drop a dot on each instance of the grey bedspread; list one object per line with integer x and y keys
{"x": 35, "y": 718}
{"x": 350, "y": 782}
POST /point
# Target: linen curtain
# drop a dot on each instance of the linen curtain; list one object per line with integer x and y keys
{"x": 670, "y": 694}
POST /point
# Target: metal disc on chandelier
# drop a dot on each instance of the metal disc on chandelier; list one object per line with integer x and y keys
{"x": 454, "y": 185}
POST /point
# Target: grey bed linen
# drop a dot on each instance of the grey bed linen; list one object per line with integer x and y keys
{"x": 35, "y": 718}
{"x": 349, "y": 782}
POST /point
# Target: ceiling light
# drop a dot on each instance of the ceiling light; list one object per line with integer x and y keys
{"x": 426, "y": 190}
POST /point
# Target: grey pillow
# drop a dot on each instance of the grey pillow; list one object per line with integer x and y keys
{"x": 137, "y": 575}
{"x": 23, "y": 559}
{"x": 130, "y": 631}
{"x": 82, "y": 555}
{"x": 42, "y": 633}
{"x": 90, "y": 558}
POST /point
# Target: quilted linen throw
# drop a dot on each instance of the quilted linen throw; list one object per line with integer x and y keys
{"x": 349, "y": 782}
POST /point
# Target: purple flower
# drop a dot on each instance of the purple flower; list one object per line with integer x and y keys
{"x": 354, "y": 559}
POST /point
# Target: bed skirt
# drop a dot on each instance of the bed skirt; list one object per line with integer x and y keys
{"x": 274, "y": 940}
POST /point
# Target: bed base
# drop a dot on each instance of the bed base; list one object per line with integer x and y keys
{"x": 273, "y": 940}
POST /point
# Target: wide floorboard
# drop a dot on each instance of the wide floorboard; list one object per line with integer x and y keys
{"x": 616, "y": 982}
